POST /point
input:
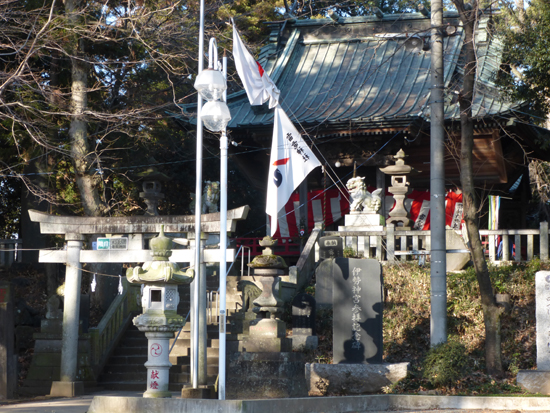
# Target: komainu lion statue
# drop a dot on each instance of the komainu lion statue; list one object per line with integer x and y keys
{"x": 210, "y": 197}
{"x": 361, "y": 199}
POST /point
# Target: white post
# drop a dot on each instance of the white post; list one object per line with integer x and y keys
{"x": 68, "y": 386}
{"x": 198, "y": 205}
{"x": 223, "y": 248}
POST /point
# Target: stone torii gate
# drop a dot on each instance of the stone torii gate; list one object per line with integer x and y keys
{"x": 76, "y": 228}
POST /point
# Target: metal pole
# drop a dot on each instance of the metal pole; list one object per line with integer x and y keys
{"x": 198, "y": 205}
{"x": 438, "y": 278}
{"x": 201, "y": 318}
{"x": 223, "y": 250}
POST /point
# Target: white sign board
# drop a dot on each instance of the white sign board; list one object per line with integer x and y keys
{"x": 113, "y": 244}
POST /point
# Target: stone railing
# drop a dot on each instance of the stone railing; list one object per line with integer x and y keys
{"x": 105, "y": 337}
{"x": 10, "y": 252}
{"x": 302, "y": 272}
{"x": 393, "y": 245}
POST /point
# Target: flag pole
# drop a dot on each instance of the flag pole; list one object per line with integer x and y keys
{"x": 223, "y": 249}
{"x": 198, "y": 205}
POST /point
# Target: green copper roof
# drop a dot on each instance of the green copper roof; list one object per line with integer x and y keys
{"x": 360, "y": 72}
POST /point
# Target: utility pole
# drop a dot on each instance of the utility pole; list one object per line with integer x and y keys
{"x": 438, "y": 275}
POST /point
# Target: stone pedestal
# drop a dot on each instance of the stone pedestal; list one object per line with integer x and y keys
{"x": 538, "y": 381}
{"x": 352, "y": 379}
{"x": 266, "y": 335}
{"x": 159, "y": 321}
{"x": 268, "y": 300}
{"x": 265, "y": 375}
{"x": 363, "y": 222}
{"x": 455, "y": 260}
{"x": 206, "y": 391}
{"x": 158, "y": 364}
{"x": 67, "y": 389}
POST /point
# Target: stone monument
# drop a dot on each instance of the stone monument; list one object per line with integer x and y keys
{"x": 538, "y": 381}
{"x": 357, "y": 311}
{"x": 364, "y": 207}
{"x": 357, "y": 302}
{"x": 159, "y": 320}
{"x": 330, "y": 247}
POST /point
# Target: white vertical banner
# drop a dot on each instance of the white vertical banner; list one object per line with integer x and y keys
{"x": 290, "y": 162}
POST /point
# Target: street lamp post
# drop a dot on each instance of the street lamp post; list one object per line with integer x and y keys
{"x": 212, "y": 85}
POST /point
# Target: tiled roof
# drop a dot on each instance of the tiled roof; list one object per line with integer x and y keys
{"x": 360, "y": 71}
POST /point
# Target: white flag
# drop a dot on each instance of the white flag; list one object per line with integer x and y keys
{"x": 291, "y": 161}
{"x": 259, "y": 87}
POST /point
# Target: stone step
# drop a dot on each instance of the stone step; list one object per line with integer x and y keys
{"x": 123, "y": 369}
{"x": 183, "y": 345}
{"x": 211, "y": 369}
{"x": 130, "y": 359}
{"x": 134, "y": 333}
{"x": 130, "y": 351}
{"x": 118, "y": 376}
{"x": 134, "y": 341}
{"x": 140, "y": 386}
{"x": 180, "y": 378}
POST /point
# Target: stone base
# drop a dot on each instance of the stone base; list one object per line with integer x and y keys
{"x": 361, "y": 228}
{"x": 261, "y": 345}
{"x": 267, "y": 328}
{"x": 202, "y": 392}
{"x": 363, "y": 220}
{"x": 265, "y": 376}
{"x": 455, "y": 261}
{"x": 67, "y": 389}
{"x": 534, "y": 381}
{"x": 302, "y": 342}
{"x": 352, "y": 379}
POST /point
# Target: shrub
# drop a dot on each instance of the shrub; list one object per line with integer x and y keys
{"x": 350, "y": 253}
{"x": 445, "y": 363}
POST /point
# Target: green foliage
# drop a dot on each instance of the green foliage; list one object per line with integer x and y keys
{"x": 526, "y": 53}
{"x": 357, "y": 8}
{"x": 445, "y": 363}
{"x": 10, "y": 207}
{"x": 349, "y": 252}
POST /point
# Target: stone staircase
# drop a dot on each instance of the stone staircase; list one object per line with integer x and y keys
{"x": 125, "y": 369}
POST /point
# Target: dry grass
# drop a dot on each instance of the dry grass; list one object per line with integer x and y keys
{"x": 407, "y": 326}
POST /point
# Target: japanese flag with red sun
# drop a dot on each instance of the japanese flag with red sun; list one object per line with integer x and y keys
{"x": 291, "y": 161}
{"x": 258, "y": 85}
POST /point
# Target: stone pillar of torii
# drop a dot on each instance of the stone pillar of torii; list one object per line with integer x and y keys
{"x": 75, "y": 229}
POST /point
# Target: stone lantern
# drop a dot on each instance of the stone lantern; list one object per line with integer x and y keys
{"x": 399, "y": 188}
{"x": 152, "y": 180}
{"x": 268, "y": 332}
{"x": 160, "y": 319}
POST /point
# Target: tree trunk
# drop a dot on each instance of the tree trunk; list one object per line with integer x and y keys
{"x": 491, "y": 311}
{"x": 78, "y": 133}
